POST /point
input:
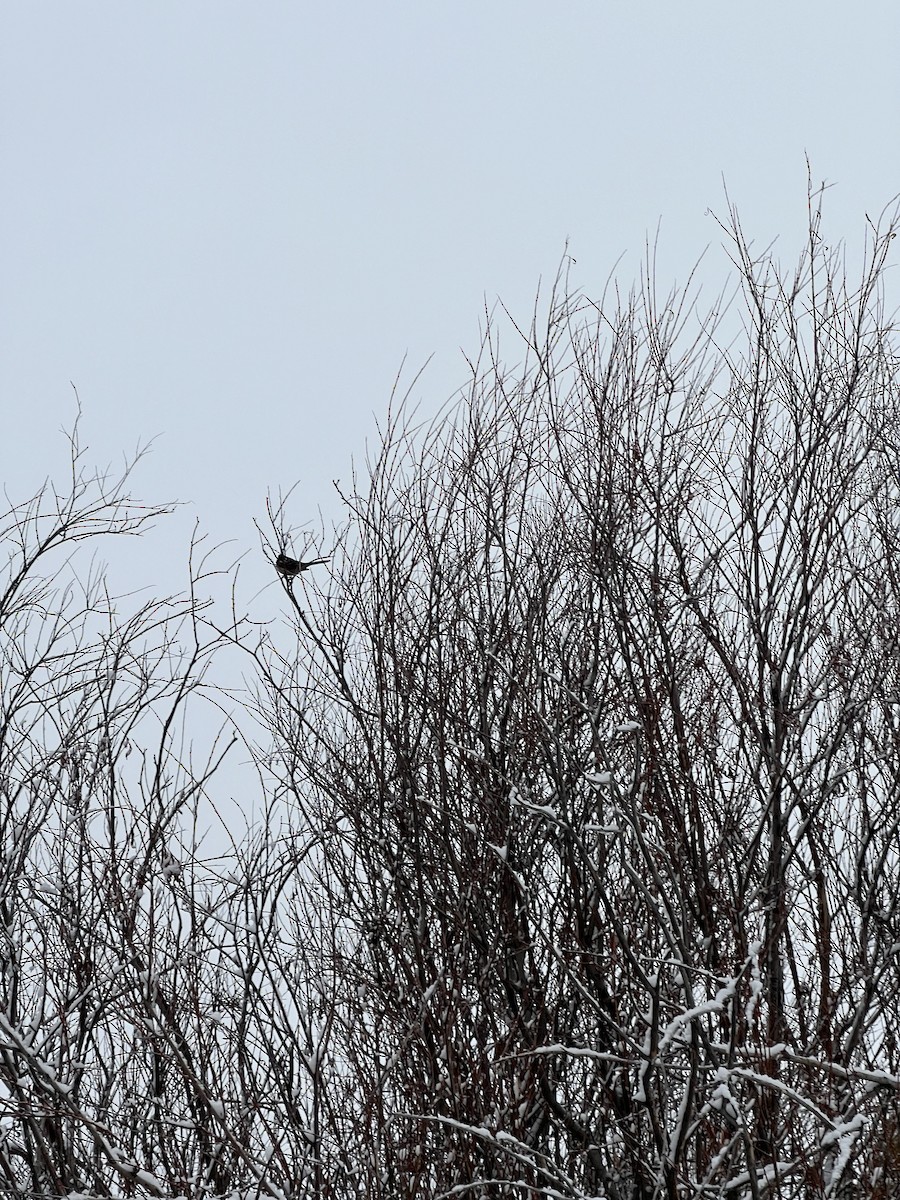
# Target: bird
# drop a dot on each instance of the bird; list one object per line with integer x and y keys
{"x": 293, "y": 566}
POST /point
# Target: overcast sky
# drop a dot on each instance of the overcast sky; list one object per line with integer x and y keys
{"x": 227, "y": 223}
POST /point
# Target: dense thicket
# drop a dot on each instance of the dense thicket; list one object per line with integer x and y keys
{"x": 580, "y": 873}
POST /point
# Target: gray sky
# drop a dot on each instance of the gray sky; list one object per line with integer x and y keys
{"x": 228, "y": 223}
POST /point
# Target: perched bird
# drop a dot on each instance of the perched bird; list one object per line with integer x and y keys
{"x": 292, "y": 566}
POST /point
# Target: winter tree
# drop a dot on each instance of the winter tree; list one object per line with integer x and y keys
{"x": 580, "y": 762}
